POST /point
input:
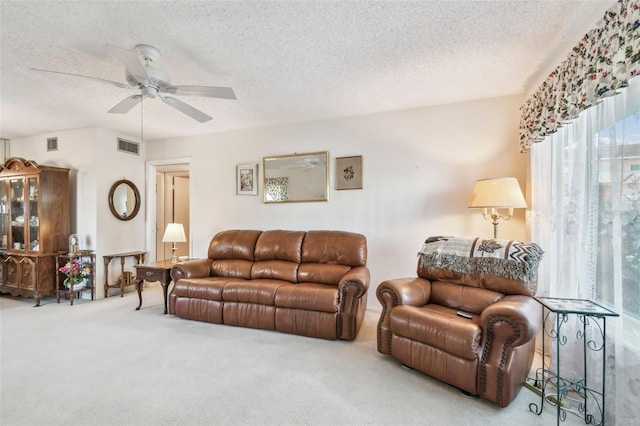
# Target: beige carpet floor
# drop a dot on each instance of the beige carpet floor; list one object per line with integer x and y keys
{"x": 103, "y": 363}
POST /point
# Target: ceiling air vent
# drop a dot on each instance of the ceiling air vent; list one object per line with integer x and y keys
{"x": 128, "y": 146}
{"x": 52, "y": 144}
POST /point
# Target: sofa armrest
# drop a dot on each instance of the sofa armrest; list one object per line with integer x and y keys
{"x": 510, "y": 327}
{"x": 400, "y": 291}
{"x": 197, "y": 268}
{"x": 353, "y": 289}
{"x": 357, "y": 278}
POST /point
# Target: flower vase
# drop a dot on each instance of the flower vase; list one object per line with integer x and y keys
{"x": 77, "y": 285}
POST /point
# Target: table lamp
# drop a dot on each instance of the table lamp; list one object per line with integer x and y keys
{"x": 174, "y": 234}
{"x": 494, "y": 194}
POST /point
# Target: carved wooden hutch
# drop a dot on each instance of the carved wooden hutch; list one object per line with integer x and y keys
{"x": 34, "y": 226}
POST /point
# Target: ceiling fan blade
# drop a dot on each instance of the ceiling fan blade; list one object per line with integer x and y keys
{"x": 126, "y": 105}
{"x": 131, "y": 61}
{"x": 208, "y": 91}
{"x": 101, "y": 80}
{"x": 192, "y": 112}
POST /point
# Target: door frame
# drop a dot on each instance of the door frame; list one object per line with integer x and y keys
{"x": 150, "y": 191}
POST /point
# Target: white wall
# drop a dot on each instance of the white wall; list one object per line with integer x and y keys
{"x": 95, "y": 164}
{"x": 419, "y": 169}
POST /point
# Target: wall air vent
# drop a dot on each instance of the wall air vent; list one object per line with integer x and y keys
{"x": 128, "y": 146}
{"x": 52, "y": 144}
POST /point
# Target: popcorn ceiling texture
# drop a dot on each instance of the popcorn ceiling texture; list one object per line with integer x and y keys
{"x": 287, "y": 61}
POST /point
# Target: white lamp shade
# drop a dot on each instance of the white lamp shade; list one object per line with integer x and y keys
{"x": 174, "y": 233}
{"x": 497, "y": 193}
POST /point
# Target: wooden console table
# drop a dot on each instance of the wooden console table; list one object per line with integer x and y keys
{"x": 138, "y": 255}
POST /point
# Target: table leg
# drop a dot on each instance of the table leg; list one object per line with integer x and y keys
{"x": 165, "y": 290}
{"x": 139, "y": 283}
{"x": 106, "y": 261}
{"x": 122, "y": 259}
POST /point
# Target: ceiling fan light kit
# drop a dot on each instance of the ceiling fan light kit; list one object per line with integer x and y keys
{"x": 153, "y": 82}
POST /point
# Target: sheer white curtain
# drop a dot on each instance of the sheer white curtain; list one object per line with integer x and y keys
{"x": 586, "y": 216}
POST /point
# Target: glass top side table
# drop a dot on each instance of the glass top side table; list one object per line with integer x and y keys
{"x": 572, "y": 395}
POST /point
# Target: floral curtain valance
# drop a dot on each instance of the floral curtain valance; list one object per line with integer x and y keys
{"x": 604, "y": 61}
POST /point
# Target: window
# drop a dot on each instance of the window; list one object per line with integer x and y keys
{"x": 618, "y": 150}
{"x": 585, "y": 214}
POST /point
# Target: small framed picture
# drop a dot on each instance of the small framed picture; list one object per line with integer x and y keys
{"x": 247, "y": 179}
{"x": 349, "y": 172}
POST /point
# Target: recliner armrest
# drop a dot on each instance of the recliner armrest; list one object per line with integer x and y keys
{"x": 522, "y": 313}
{"x": 404, "y": 291}
{"x": 197, "y": 268}
{"x": 509, "y": 329}
{"x": 400, "y": 291}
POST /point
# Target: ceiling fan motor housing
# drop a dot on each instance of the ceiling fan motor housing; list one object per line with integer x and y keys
{"x": 156, "y": 77}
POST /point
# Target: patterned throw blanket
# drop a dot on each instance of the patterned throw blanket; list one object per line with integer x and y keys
{"x": 503, "y": 258}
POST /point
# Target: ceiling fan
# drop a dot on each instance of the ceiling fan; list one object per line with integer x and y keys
{"x": 153, "y": 82}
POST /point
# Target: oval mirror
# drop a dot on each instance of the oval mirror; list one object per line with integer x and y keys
{"x": 124, "y": 199}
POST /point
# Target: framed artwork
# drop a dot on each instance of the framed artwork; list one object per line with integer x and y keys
{"x": 349, "y": 172}
{"x": 247, "y": 179}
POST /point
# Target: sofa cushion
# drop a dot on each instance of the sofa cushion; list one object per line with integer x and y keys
{"x": 308, "y": 296}
{"x": 275, "y": 269}
{"x": 321, "y": 273}
{"x": 277, "y": 255}
{"x": 236, "y": 268}
{"x": 260, "y": 292}
{"x": 233, "y": 244}
{"x": 334, "y": 247}
{"x": 439, "y": 327}
{"x": 279, "y": 245}
{"x": 209, "y": 288}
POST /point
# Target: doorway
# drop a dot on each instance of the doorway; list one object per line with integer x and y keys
{"x": 171, "y": 203}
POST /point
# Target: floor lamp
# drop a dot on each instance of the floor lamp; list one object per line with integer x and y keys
{"x": 174, "y": 234}
{"x": 493, "y": 194}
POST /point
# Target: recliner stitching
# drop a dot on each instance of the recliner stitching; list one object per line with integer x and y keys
{"x": 503, "y": 357}
{"x": 383, "y": 315}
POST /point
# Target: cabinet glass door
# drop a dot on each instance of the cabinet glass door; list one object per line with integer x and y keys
{"x": 17, "y": 214}
{"x": 4, "y": 218}
{"x": 34, "y": 217}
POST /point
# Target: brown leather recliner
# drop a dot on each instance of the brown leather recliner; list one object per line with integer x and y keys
{"x": 424, "y": 322}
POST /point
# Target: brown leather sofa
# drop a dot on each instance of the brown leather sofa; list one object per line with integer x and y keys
{"x": 488, "y": 354}
{"x": 310, "y": 283}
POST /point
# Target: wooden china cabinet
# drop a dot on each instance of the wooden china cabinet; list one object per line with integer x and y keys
{"x": 34, "y": 226}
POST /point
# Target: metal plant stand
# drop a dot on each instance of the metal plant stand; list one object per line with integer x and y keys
{"x": 576, "y": 396}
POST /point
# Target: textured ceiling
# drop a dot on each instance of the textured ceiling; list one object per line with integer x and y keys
{"x": 287, "y": 61}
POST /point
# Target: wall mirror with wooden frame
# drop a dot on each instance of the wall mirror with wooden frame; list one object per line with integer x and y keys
{"x": 296, "y": 178}
{"x": 124, "y": 199}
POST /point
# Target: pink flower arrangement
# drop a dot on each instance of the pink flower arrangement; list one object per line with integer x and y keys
{"x": 75, "y": 271}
